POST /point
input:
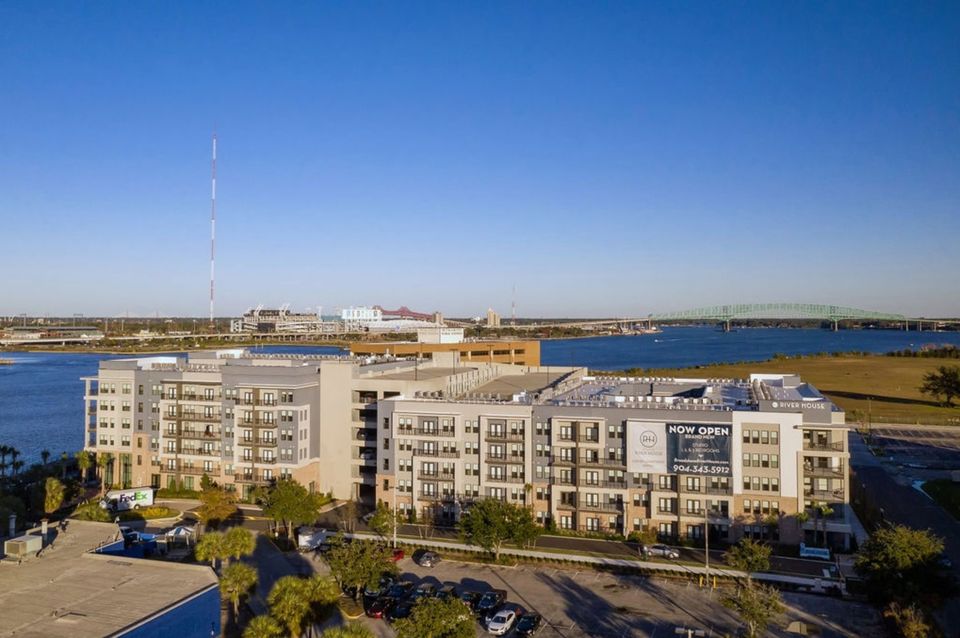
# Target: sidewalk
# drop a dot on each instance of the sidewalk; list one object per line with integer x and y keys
{"x": 816, "y": 584}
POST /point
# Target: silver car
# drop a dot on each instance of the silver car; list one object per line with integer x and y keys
{"x": 661, "y": 551}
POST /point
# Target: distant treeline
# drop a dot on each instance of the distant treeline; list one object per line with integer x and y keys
{"x": 932, "y": 351}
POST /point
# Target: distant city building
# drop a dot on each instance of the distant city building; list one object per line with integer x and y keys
{"x": 515, "y": 352}
{"x": 439, "y": 334}
{"x": 279, "y": 320}
{"x": 376, "y": 319}
{"x": 493, "y": 319}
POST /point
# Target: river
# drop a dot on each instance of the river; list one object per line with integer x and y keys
{"x": 41, "y": 404}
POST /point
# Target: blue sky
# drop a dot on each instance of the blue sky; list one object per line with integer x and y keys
{"x": 606, "y": 158}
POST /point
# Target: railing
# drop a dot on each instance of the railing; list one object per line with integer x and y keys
{"x": 825, "y": 494}
{"x": 436, "y": 475}
{"x": 496, "y": 458}
{"x": 823, "y": 446}
{"x": 429, "y": 432}
{"x": 601, "y": 506}
{"x": 504, "y": 436}
{"x": 191, "y": 451}
{"x": 195, "y": 471}
{"x": 196, "y": 434}
{"x": 589, "y": 438}
{"x": 436, "y": 453}
{"x": 559, "y": 480}
{"x": 560, "y": 460}
{"x": 250, "y": 478}
{"x": 719, "y": 491}
{"x": 505, "y": 479}
{"x": 817, "y": 470}
{"x": 588, "y": 460}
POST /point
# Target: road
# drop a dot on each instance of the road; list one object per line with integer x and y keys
{"x": 903, "y": 504}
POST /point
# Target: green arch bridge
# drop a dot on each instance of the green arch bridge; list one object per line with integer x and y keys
{"x": 776, "y": 311}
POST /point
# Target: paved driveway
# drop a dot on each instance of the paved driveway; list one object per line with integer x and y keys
{"x": 580, "y": 604}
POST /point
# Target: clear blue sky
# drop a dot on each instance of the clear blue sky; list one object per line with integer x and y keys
{"x": 607, "y": 158}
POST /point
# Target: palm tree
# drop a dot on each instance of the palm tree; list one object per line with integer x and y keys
{"x": 824, "y": 511}
{"x": 104, "y": 461}
{"x": 211, "y": 547}
{"x": 83, "y": 463}
{"x": 14, "y": 453}
{"x": 45, "y": 455}
{"x": 353, "y": 630}
{"x": 4, "y": 451}
{"x": 263, "y": 627}
{"x": 17, "y": 466}
{"x": 290, "y": 604}
{"x": 238, "y": 542}
{"x": 63, "y": 466}
{"x": 236, "y": 582}
{"x": 801, "y": 517}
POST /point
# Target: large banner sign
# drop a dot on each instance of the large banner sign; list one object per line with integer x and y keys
{"x": 679, "y": 448}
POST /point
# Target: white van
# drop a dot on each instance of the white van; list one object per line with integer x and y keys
{"x": 129, "y": 499}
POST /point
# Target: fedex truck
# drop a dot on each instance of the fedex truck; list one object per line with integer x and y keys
{"x": 129, "y": 499}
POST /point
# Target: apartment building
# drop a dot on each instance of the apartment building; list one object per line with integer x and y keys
{"x": 245, "y": 420}
{"x": 681, "y": 456}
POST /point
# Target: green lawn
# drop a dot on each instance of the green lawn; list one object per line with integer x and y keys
{"x": 946, "y": 493}
{"x": 884, "y": 386}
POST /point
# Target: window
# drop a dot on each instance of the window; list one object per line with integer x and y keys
{"x": 764, "y": 437}
{"x": 746, "y": 436}
{"x": 386, "y": 443}
{"x": 775, "y": 460}
{"x": 774, "y": 438}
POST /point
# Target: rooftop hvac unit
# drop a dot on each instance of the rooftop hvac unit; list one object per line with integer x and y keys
{"x": 23, "y": 546}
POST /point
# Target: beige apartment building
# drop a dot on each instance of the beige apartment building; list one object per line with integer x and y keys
{"x": 245, "y": 420}
{"x": 755, "y": 452}
{"x": 591, "y": 454}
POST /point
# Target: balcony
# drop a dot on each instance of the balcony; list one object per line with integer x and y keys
{"x": 256, "y": 423}
{"x": 823, "y": 471}
{"x": 599, "y": 460}
{"x": 434, "y": 476}
{"x": 197, "y": 451}
{"x": 505, "y": 479}
{"x": 718, "y": 491}
{"x": 566, "y": 505}
{"x": 823, "y": 446}
{"x": 495, "y": 458}
{"x": 824, "y": 495}
{"x": 429, "y": 432}
{"x": 563, "y": 480}
{"x": 443, "y": 454}
{"x": 497, "y": 435}
{"x": 589, "y": 438}
{"x": 563, "y": 460}
{"x": 195, "y": 471}
{"x": 614, "y": 485}
{"x": 365, "y": 434}
{"x": 251, "y": 478}
{"x": 198, "y": 434}
{"x": 601, "y": 506}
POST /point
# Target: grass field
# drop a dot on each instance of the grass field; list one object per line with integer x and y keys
{"x": 886, "y": 387}
{"x": 946, "y": 493}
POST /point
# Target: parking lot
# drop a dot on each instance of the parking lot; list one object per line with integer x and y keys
{"x": 577, "y": 604}
{"x": 931, "y": 448}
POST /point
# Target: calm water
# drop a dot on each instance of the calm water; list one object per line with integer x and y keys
{"x": 41, "y": 402}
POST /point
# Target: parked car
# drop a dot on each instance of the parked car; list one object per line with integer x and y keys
{"x": 447, "y": 591}
{"x": 425, "y": 590}
{"x": 661, "y": 551}
{"x": 502, "y": 621}
{"x": 381, "y": 607}
{"x": 400, "y": 590}
{"x": 402, "y": 609}
{"x": 470, "y": 598}
{"x": 385, "y": 584}
{"x": 529, "y": 625}
{"x": 428, "y": 559}
{"x": 490, "y": 601}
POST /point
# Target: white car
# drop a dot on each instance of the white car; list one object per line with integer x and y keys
{"x": 662, "y": 551}
{"x": 502, "y": 622}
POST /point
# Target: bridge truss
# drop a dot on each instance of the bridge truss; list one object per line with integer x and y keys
{"x": 776, "y": 311}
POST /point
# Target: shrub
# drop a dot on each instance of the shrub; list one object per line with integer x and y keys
{"x": 148, "y": 513}
{"x": 92, "y": 512}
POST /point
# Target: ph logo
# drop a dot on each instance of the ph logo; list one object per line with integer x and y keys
{"x": 648, "y": 438}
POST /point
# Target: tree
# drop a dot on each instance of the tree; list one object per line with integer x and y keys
{"x": 290, "y": 503}
{"x": 14, "y": 463}
{"x": 749, "y": 556}
{"x": 757, "y": 606}
{"x": 211, "y": 547}
{"x": 909, "y": 619}
{"x": 824, "y": 512}
{"x": 900, "y": 564}
{"x": 104, "y": 460}
{"x": 491, "y": 522}
{"x": 63, "y": 466}
{"x": 84, "y": 462}
{"x": 4, "y": 451}
{"x": 216, "y": 505}
{"x": 384, "y": 520}
{"x": 352, "y": 630}
{"x": 801, "y": 517}
{"x": 263, "y": 627}
{"x": 236, "y": 582}
{"x": 237, "y": 542}
{"x": 53, "y": 495}
{"x": 945, "y": 382}
{"x": 435, "y": 618}
{"x": 358, "y": 564}
{"x": 11, "y": 505}
{"x": 292, "y": 600}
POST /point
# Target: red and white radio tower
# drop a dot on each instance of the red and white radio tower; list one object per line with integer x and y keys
{"x": 213, "y": 219}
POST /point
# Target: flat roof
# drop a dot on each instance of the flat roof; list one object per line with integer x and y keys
{"x": 70, "y": 591}
{"x": 422, "y": 374}
{"x": 511, "y": 384}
